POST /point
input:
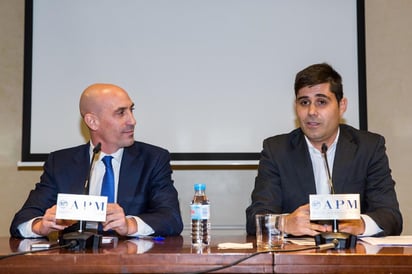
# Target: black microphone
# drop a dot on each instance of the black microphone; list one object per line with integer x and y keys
{"x": 96, "y": 150}
{"x": 340, "y": 240}
{"x": 325, "y": 158}
{"x": 75, "y": 233}
{"x": 332, "y": 189}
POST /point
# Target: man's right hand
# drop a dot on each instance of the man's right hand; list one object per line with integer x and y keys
{"x": 298, "y": 223}
{"x": 48, "y": 223}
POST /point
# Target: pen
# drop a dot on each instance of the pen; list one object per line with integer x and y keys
{"x": 154, "y": 238}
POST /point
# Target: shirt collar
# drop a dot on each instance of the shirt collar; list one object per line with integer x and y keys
{"x": 332, "y": 147}
{"x": 116, "y": 155}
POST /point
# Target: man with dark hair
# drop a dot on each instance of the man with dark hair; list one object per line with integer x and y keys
{"x": 291, "y": 166}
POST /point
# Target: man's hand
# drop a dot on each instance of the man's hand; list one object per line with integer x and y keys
{"x": 117, "y": 221}
{"x": 43, "y": 226}
{"x": 298, "y": 223}
{"x": 355, "y": 227}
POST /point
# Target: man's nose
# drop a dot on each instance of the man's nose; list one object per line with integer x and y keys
{"x": 312, "y": 110}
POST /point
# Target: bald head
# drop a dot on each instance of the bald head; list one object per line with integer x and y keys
{"x": 107, "y": 110}
{"x": 94, "y": 95}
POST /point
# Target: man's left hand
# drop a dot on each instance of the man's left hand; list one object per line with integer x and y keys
{"x": 117, "y": 221}
{"x": 355, "y": 227}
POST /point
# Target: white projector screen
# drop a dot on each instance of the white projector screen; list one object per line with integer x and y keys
{"x": 210, "y": 78}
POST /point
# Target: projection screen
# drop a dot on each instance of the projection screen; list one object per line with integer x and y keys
{"x": 210, "y": 79}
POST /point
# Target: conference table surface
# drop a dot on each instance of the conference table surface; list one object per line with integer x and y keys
{"x": 176, "y": 255}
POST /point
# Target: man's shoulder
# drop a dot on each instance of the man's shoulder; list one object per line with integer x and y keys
{"x": 142, "y": 148}
{"x": 68, "y": 156}
{"x": 358, "y": 134}
{"x": 283, "y": 138}
{"x": 146, "y": 146}
{"x": 71, "y": 150}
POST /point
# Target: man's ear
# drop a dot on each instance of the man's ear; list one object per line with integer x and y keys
{"x": 91, "y": 121}
{"x": 343, "y": 104}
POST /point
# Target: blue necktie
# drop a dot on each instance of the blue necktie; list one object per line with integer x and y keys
{"x": 108, "y": 180}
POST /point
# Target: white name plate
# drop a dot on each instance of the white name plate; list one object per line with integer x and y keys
{"x": 81, "y": 207}
{"x": 334, "y": 206}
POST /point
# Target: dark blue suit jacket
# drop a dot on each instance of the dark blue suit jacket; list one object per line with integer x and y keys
{"x": 285, "y": 177}
{"x": 145, "y": 186}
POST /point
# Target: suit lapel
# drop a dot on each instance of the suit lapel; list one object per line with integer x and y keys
{"x": 79, "y": 166}
{"x": 130, "y": 172}
{"x": 302, "y": 164}
{"x": 344, "y": 155}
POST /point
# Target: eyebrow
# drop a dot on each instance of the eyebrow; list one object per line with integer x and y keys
{"x": 321, "y": 95}
{"x": 124, "y": 108}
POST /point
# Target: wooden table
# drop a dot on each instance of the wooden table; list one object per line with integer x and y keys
{"x": 175, "y": 255}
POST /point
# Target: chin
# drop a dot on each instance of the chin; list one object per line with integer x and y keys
{"x": 129, "y": 143}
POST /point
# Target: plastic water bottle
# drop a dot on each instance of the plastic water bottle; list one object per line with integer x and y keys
{"x": 200, "y": 214}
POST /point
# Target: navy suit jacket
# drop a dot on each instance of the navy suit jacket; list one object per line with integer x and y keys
{"x": 285, "y": 177}
{"x": 145, "y": 186}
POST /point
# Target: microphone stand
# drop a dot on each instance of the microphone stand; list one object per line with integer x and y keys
{"x": 341, "y": 240}
{"x": 74, "y": 233}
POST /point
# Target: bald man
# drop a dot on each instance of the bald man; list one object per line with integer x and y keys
{"x": 145, "y": 203}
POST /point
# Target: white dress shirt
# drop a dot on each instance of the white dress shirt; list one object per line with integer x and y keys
{"x": 322, "y": 179}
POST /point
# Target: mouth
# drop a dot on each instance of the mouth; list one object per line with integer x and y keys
{"x": 312, "y": 124}
{"x": 129, "y": 130}
{"x": 129, "y": 133}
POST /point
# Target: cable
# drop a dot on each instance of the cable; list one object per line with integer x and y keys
{"x": 69, "y": 245}
{"x": 319, "y": 247}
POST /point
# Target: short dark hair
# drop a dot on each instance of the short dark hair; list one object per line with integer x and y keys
{"x": 319, "y": 74}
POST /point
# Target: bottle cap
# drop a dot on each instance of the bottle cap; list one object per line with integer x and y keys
{"x": 200, "y": 187}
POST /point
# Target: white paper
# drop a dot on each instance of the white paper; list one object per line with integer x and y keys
{"x": 301, "y": 241}
{"x": 389, "y": 240}
{"x": 81, "y": 207}
{"x": 235, "y": 246}
{"x": 334, "y": 206}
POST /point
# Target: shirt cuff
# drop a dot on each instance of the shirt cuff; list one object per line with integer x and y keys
{"x": 143, "y": 229}
{"x": 26, "y": 231}
{"x": 371, "y": 228}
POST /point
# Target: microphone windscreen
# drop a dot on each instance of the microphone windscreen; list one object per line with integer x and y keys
{"x": 97, "y": 148}
{"x": 324, "y": 148}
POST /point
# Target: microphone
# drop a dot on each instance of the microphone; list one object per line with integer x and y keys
{"x": 332, "y": 189}
{"x": 96, "y": 150}
{"x": 325, "y": 159}
{"x": 75, "y": 233}
{"x": 340, "y": 240}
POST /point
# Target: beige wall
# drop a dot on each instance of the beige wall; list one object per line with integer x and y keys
{"x": 14, "y": 184}
{"x": 388, "y": 60}
{"x": 389, "y": 52}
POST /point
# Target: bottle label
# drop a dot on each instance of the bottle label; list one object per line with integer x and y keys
{"x": 200, "y": 212}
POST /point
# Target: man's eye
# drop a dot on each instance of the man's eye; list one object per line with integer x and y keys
{"x": 304, "y": 102}
{"x": 322, "y": 102}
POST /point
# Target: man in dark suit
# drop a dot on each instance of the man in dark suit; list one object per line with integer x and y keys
{"x": 146, "y": 201}
{"x": 291, "y": 165}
